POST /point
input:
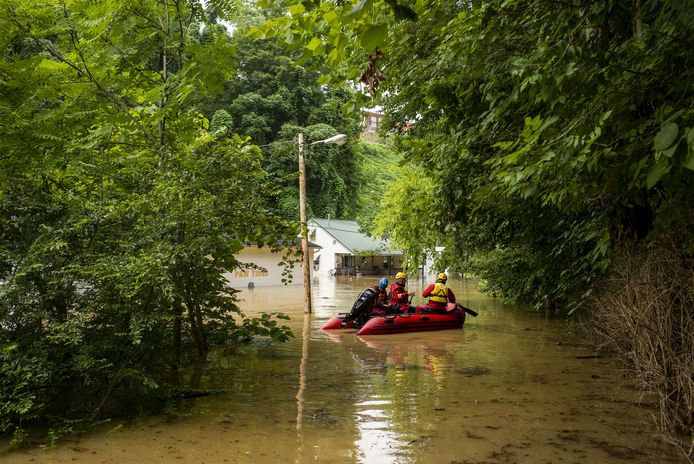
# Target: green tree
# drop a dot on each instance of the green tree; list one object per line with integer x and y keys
{"x": 268, "y": 90}
{"x": 271, "y": 98}
{"x": 331, "y": 179}
{"x": 563, "y": 116}
{"x": 120, "y": 210}
{"x": 557, "y": 136}
{"x": 575, "y": 112}
{"x": 379, "y": 170}
{"x": 221, "y": 121}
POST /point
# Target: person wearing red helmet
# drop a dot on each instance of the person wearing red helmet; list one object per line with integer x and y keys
{"x": 439, "y": 295}
{"x": 399, "y": 297}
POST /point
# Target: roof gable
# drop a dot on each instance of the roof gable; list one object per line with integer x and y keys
{"x": 349, "y": 235}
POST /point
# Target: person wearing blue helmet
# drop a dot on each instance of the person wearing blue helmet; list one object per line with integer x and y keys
{"x": 372, "y": 301}
{"x": 382, "y": 301}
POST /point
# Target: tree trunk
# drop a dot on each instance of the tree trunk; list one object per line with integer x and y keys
{"x": 638, "y": 21}
{"x": 550, "y": 308}
{"x": 198, "y": 330}
{"x": 178, "y": 316}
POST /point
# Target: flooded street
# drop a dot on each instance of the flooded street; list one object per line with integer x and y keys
{"x": 510, "y": 387}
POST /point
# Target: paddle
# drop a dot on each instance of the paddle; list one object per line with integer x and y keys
{"x": 410, "y": 308}
{"x": 468, "y": 310}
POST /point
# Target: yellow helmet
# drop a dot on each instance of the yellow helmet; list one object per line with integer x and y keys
{"x": 401, "y": 275}
{"x": 442, "y": 277}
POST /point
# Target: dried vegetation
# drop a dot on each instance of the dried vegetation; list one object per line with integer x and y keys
{"x": 645, "y": 314}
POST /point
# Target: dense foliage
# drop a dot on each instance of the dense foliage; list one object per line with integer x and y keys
{"x": 379, "y": 170}
{"x": 554, "y": 133}
{"x": 566, "y": 135}
{"x": 271, "y": 98}
{"x": 119, "y": 209}
{"x": 555, "y": 137}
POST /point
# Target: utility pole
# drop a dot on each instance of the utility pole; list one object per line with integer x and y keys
{"x": 304, "y": 227}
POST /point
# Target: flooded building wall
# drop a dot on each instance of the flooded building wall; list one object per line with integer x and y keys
{"x": 269, "y": 275}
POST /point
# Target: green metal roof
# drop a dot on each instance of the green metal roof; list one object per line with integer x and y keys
{"x": 348, "y": 234}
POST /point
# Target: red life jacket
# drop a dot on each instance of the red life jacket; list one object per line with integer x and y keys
{"x": 396, "y": 290}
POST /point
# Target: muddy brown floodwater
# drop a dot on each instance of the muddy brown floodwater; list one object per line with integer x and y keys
{"x": 511, "y": 387}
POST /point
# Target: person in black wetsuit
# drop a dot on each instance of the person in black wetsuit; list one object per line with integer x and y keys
{"x": 372, "y": 301}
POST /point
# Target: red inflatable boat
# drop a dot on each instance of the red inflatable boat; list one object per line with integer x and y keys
{"x": 454, "y": 318}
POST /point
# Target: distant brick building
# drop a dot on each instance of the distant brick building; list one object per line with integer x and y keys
{"x": 371, "y": 124}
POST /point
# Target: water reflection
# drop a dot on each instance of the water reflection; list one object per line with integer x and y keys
{"x": 305, "y": 341}
{"x": 501, "y": 390}
{"x": 403, "y": 369}
{"x": 430, "y": 352}
{"x": 377, "y": 437}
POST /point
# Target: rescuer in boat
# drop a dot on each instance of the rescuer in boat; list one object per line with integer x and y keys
{"x": 381, "y": 305}
{"x": 439, "y": 295}
{"x": 399, "y": 297}
{"x": 371, "y": 302}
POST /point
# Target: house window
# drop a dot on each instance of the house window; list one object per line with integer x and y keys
{"x": 334, "y": 242}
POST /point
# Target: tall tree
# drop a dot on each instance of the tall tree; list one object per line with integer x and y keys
{"x": 271, "y": 98}
{"x": 557, "y": 139}
{"x": 120, "y": 211}
{"x": 574, "y": 116}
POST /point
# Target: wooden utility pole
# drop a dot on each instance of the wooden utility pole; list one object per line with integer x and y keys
{"x": 304, "y": 227}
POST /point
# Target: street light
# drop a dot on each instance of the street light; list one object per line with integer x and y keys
{"x": 338, "y": 139}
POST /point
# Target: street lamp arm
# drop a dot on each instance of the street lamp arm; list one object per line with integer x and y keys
{"x": 338, "y": 139}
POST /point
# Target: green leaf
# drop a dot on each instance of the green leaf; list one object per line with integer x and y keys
{"x": 605, "y": 115}
{"x": 315, "y": 44}
{"x": 9, "y": 348}
{"x": 255, "y": 33}
{"x": 374, "y": 36}
{"x": 670, "y": 151}
{"x": 331, "y": 16}
{"x": 689, "y": 160}
{"x": 665, "y": 137}
{"x": 296, "y": 9}
{"x": 657, "y": 171}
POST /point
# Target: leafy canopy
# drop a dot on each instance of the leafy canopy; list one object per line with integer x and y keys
{"x": 555, "y": 134}
{"x": 120, "y": 209}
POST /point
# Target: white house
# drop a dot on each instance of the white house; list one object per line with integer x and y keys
{"x": 271, "y": 272}
{"x": 344, "y": 250}
{"x": 428, "y": 270}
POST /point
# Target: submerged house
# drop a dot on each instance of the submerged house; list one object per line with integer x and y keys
{"x": 268, "y": 270}
{"x": 345, "y": 250}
